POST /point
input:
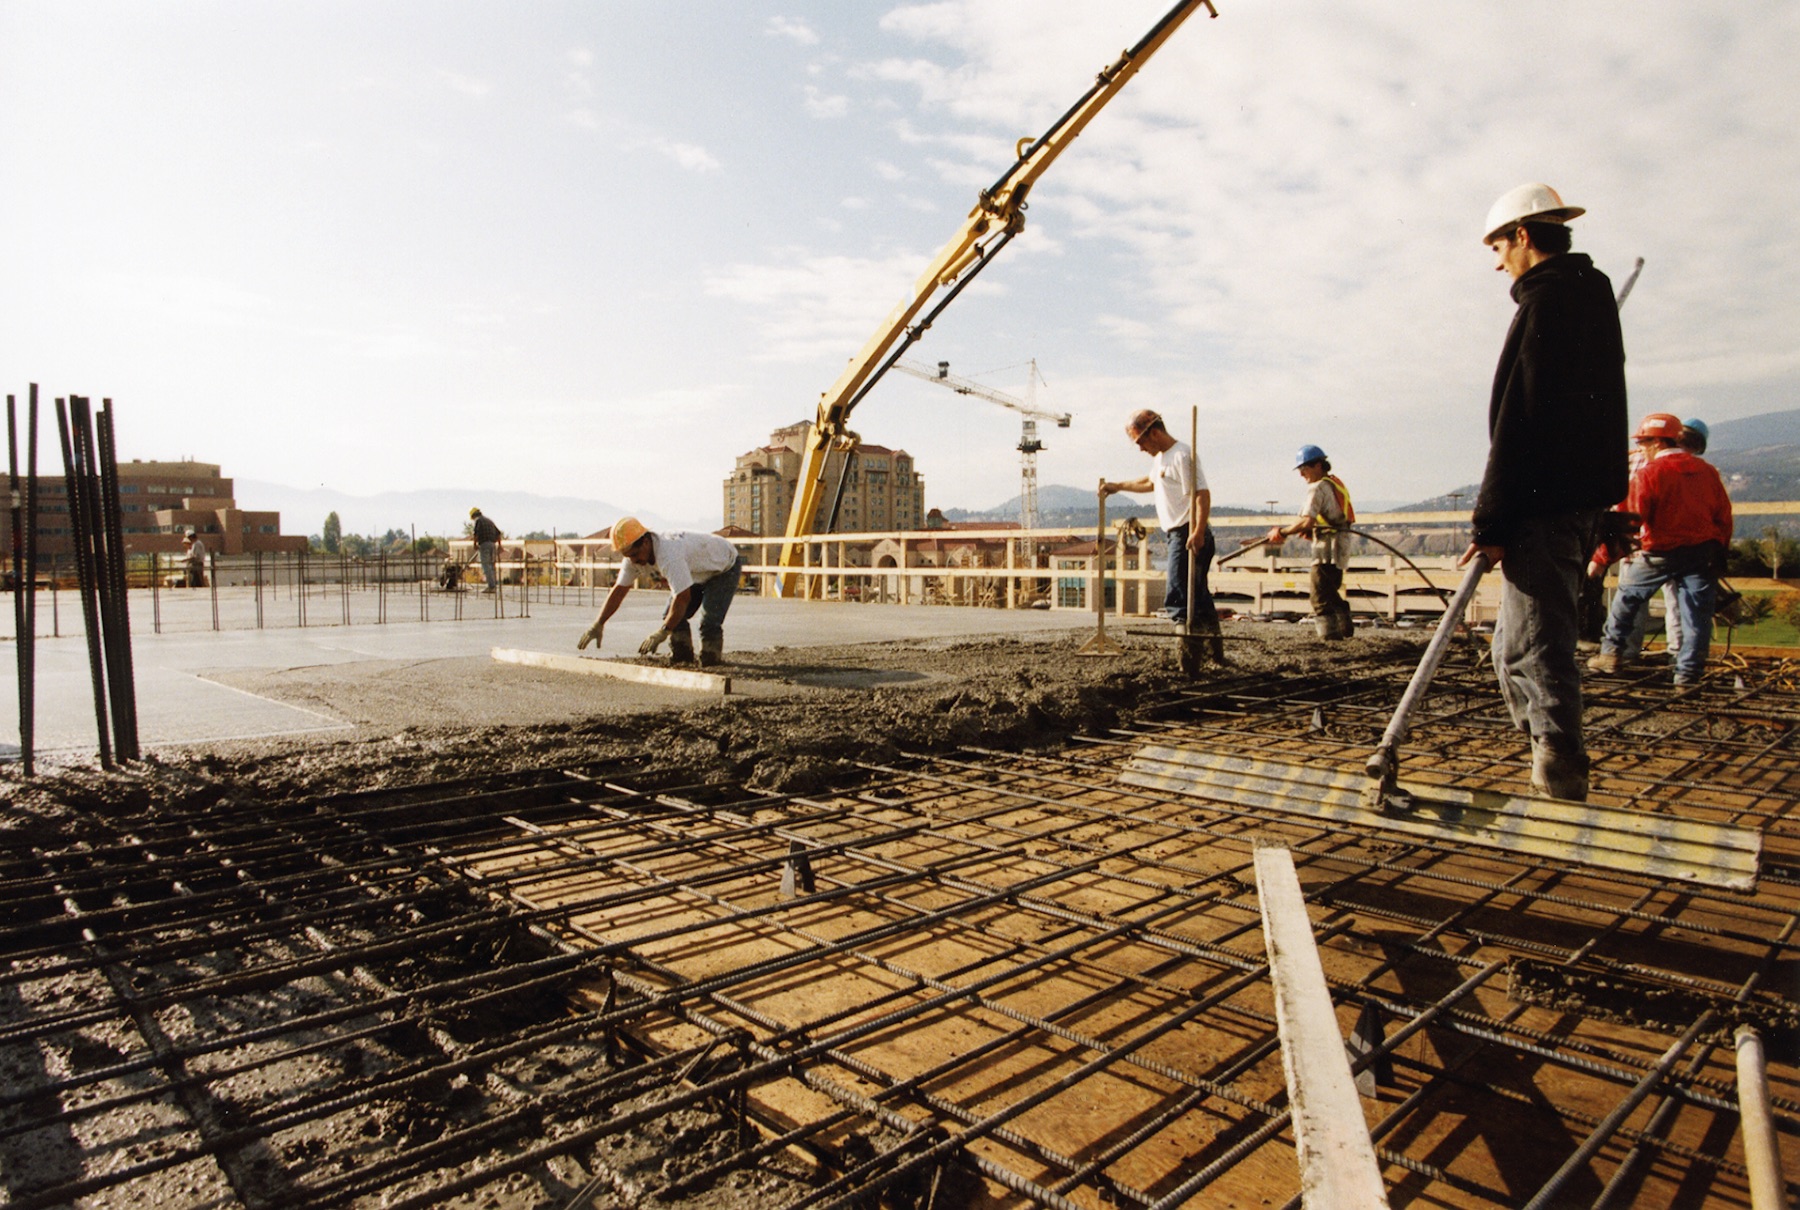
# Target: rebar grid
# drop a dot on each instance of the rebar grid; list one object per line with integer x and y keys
{"x": 1000, "y": 964}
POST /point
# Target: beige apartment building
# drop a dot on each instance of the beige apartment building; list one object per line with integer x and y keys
{"x": 158, "y": 503}
{"x": 882, "y": 492}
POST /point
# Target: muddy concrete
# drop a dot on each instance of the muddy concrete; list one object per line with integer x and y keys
{"x": 801, "y": 720}
{"x": 794, "y": 720}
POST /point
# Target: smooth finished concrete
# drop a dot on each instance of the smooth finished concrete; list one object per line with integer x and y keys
{"x": 178, "y": 673}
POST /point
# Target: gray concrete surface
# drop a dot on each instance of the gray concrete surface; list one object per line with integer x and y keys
{"x": 197, "y": 686}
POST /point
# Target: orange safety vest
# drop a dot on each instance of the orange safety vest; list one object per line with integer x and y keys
{"x": 1343, "y": 495}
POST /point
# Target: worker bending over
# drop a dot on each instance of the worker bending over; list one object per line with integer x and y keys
{"x": 1184, "y": 510}
{"x": 1556, "y": 460}
{"x": 702, "y": 571}
{"x": 1324, "y": 517}
{"x": 1684, "y": 530}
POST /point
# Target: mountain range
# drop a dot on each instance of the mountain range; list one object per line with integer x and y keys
{"x": 1758, "y": 455}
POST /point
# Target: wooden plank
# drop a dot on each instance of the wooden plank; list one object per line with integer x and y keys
{"x": 1338, "y": 1168}
{"x": 644, "y": 674}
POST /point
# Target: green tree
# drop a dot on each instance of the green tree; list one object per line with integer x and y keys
{"x": 334, "y": 533}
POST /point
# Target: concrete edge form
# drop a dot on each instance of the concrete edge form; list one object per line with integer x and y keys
{"x": 668, "y": 678}
{"x": 1338, "y": 1168}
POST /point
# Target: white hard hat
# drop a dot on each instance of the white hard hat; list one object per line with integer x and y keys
{"x": 1535, "y": 202}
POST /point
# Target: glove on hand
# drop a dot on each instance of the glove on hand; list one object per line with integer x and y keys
{"x": 649, "y": 645}
{"x": 590, "y": 635}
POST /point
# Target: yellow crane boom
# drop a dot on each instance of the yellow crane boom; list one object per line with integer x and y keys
{"x": 999, "y": 214}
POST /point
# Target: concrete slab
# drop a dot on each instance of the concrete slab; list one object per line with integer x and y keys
{"x": 197, "y": 685}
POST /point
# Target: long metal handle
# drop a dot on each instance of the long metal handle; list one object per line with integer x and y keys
{"x": 1383, "y": 761}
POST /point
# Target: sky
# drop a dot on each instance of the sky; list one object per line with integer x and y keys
{"x": 600, "y": 249}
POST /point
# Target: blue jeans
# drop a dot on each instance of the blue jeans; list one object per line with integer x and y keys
{"x": 1687, "y": 568}
{"x": 1534, "y": 638}
{"x": 712, "y": 598}
{"x": 1175, "y": 593}
{"x": 487, "y": 562}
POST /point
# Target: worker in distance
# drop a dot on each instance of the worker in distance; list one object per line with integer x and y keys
{"x": 702, "y": 571}
{"x": 1684, "y": 530}
{"x": 1557, "y": 434}
{"x": 1184, "y": 510}
{"x": 1324, "y": 517}
{"x": 487, "y": 542}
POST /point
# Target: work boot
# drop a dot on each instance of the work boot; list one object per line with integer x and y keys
{"x": 1324, "y": 626}
{"x": 712, "y": 649}
{"x": 1606, "y": 661}
{"x": 1558, "y": 774}
{"x": 681, "y": 645}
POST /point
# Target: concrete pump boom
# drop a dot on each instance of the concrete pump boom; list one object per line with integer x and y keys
{"x": 999, "y": 214}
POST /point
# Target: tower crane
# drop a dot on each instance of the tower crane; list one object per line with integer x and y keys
{"x": 998, "y": 215}
{"x": 1029, "y": 445}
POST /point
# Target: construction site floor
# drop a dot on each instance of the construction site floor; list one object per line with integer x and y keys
{"x": 896, "y": 928}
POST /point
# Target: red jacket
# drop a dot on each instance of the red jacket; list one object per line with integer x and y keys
{"x": 1681, "y": 500}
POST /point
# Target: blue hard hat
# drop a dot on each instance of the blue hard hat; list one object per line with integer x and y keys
{"x": 1308, "y": 453}
{"x": 1699, "y": 426}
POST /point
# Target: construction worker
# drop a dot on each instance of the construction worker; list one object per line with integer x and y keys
{"x": 487, "y": 541}
{"x": 193, "y": 555}
{"x": 1693, "y": 439}
{"x": 1684, "y": 530}
{"x": 1184, "y": 509}
{"x": 1556, "y": 460}
{"x": 702, "y": 571}
{"x": 1324, "y": 517}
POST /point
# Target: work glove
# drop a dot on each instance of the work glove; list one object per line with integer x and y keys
{"x": 649, "y": 645}
{"x": 590, "y": 635}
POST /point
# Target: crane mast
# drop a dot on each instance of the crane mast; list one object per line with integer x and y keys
{"x": 999, "y": 214}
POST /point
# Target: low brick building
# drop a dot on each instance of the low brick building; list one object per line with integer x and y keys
{"x": 158, "y": 503}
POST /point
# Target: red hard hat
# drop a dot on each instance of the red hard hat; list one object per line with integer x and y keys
{"x": 1659, "y": 424}
{"x": 1141, "y": 423}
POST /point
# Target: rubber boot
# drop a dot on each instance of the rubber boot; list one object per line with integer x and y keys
{"x": 1558, "y": 774}
{"x": 681, "y": 645}
{"x": 1325, "y": 626}
{"x": 712, "y": 650}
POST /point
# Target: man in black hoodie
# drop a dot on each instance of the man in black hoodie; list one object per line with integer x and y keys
{"x": 1556, "y": 459}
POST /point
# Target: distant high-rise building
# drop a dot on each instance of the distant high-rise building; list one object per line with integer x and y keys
{"x": 882, "y": 492}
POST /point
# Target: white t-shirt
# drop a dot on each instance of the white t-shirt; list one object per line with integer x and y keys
{"x": 1175, "y": 475}
{"x": 684, "y": 559}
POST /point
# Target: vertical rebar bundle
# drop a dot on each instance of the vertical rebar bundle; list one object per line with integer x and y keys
{"x": 100, "y": 577}
{"x": 24, "y": 569}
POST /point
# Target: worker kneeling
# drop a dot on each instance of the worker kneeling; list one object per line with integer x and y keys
{"x": 702, "y": 571}
{"x": 1327, "y": 513}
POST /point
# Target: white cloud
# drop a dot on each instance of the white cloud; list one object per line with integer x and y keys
{"x": 581, "y": 57}
{"x": 468, "y": 86}
{"x": 814, "y": 306}
{"x": 820, "y": 105}
{"x": 794, "y": 31}
{"x": 887, "y": 171}
{"x": 690, "y": 156}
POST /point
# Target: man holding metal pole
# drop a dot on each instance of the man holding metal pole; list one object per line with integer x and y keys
{"x": 1184, "y": 510}
{"x": 1556, "y": 459}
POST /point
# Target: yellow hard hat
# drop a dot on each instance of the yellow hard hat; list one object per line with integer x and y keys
{"x": 625, "y": 533}
{"x": 474, "y": 512}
